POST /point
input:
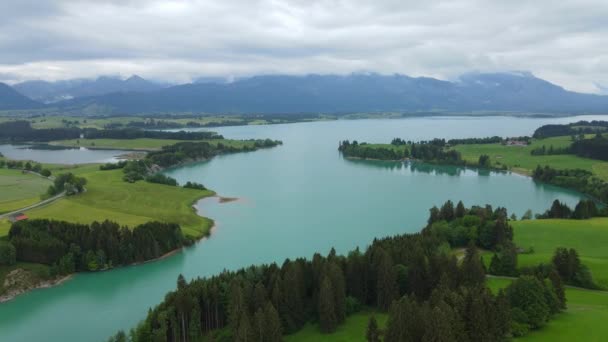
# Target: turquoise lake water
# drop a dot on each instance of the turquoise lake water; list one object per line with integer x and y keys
{"x": 294, "y": 200}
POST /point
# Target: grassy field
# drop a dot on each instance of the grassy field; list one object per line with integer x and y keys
{"x": 352, "y": 330}
{"x": 584, "y": 320}
{"x": 520, "y": 159}
{"x": 18, "y": 190}
{"x": 52, "y": 121}
{"x": 143, "y": 144}
{"x": 588, "y": 237}
{"x": 109, "y": 197}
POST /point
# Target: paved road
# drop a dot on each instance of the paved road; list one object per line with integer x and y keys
{"x": 39, "y": 204}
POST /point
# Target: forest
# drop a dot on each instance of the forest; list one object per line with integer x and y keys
{"x": 428, "y": 293}
{"x": 575, "y": 128}
{"x": 176, "y": 154}
{"x": 431, "y": 151}
{"x": 72, "y": 247}
{"x": 580, "y": 180}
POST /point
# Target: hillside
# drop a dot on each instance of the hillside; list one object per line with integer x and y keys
{"x": 11, "y": 99}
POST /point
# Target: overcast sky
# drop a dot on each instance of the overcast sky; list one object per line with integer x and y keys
{"x": 565, "y": 41}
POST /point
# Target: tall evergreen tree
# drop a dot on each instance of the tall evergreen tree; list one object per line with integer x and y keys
{"x": 460, "y": 210}
{"x": 327, "y": 314}
{"x": 558, "y": 287}
{"x": 386, "y": 287}
{"x": 273, "y": 331}
{"x": 473, "y": 272}
{"x": 339, "y": 291}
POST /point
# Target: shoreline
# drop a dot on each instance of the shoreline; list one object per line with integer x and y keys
{"x": 61, "y": 280}
{"x": 41, "y": 285}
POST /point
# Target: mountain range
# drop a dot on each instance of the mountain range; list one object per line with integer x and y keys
{"x": 51, "y": 92}
{"x": 474, "y": 92}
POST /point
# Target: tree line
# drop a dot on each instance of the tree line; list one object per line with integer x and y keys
{"x": 432, "y": 151}
{"x": 179, "y": 153}
{"x": 577, "y": 179}
{"x": 22, "y": 131}
{"x": 427, "y": 292}
{"x": 73, "y": 247}
{"x": 575, "y": 128}
{"x": 584, "y": 209}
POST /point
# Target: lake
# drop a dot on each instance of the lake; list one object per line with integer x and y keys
{"x": 80, "y": 155}
{"x": 294, "y": 200}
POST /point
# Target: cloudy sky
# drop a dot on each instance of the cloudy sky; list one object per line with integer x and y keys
{"x": 563, "y": 41}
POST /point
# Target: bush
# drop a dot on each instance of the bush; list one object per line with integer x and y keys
{"x": 194, "y": 185}
{"x": 159, "y": 178}
{"x": 45, "y": 172}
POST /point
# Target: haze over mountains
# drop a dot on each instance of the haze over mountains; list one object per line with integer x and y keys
{"x": 511, "y": 92}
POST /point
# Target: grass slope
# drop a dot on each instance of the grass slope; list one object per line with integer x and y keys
{"x": 352, "y": 330}
{"x": 109, "y": 197}
{"x": 18, "y": 190}
{"x": 584, "y": 320}
{"x": 588, "y": 237}
{"x": 520, "y": 159}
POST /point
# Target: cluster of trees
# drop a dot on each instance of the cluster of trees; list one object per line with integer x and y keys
{"x": 188, "y": 151}
{"x": 113, "y": 166}
{"x": 365, "y": 151}
{"x": 576, "y": 179}
{"x": 160, "y": 178}
{"x": 72, "y": 247}
{"x": 27, "y": 166}
{"x": 469, "y": 141}
{"x": 481, "y": 226}
{"x": 429, "y": 295}
{"x": 580, "y": 127}
{"x": 154, "y": 124}
{"x": 542, "y": 151}
{"x": 194, "y": 185}
{"x": 22, "y": 131}
{"x": 434, "y": 151}
{"x": 131, "y": 133}
{"x": 570, "y": 269}
{"x": 67, "y": 182}
{"x": 584, "y": 209}
{"x": 595, "y": 148}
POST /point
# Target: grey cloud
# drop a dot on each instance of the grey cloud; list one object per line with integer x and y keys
{"x": 180, "y": 40}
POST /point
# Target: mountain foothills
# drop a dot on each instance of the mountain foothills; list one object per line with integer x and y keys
{"x": 355, "y": 93}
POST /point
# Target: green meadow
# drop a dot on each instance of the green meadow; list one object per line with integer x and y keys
{"x": 519, "y": 159}
{"x": 18, "y": 190}
{"x": 588, "y": 237}
{"x": 584, "y": 319}
{"x": 109, "y": 197}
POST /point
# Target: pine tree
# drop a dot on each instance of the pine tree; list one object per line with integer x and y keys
{"x": 339, "y": 291}
{"x": 460, "y": 210}
{"x": 386, "y": 288}
{"x": 473, "y": 272}
{"x": 273, "y": 331}
{"x": 438, "y": 327}
{"x": 558, "y": 287}
{"x": 327, "y": 314}
{"x": 372, "y": 334}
